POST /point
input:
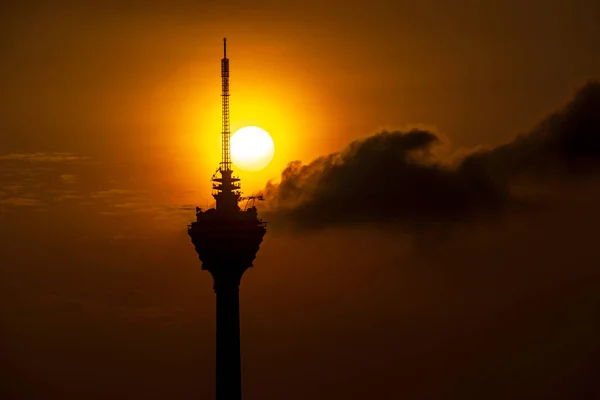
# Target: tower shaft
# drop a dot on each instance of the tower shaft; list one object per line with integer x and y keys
{"x": 228, "y": 368}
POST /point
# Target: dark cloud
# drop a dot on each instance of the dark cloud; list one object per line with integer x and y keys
{"x": 567, "y": 142}
{"x": 395, "y": 176}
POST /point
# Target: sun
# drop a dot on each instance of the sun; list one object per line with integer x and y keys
{"x": 252, "y": 148}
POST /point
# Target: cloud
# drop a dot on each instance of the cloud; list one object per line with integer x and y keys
{"x": 387, "y": 177}
{"x": 104, "y": 194}
{"x": 174, "y": 212}
{"x": 147, "y": 210}
{"x": 65, "y": 197}
{"x": 68, "y": 179}
{"x": 396, "y": 177}
{"x": 567, "y": 142}
{"x": 14, "y": 188}
{"x": 160, "y": 211}
{"x": 131, "y": 205}
{"x": 39, "y": 173}
{"x": 20, "y": 201}
{"x": 42, "y": 157}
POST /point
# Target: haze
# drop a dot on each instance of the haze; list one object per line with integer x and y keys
{"x": 418, "y": 246}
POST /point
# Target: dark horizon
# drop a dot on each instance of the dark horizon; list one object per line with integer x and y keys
{"x": 431, "y": 201}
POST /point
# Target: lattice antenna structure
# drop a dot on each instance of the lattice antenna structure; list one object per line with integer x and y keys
{"x": 226, "y": 188}
{"x": 225, "y": 132}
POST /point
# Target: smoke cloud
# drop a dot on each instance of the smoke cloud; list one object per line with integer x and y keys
{"x": 394, "y": 178}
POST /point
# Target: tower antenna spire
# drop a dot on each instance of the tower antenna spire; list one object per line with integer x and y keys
{"x": 225, "y": 139}
{"x": 227, "y": 189}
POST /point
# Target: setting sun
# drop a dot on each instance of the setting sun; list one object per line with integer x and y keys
{"x": 252, "y": 148}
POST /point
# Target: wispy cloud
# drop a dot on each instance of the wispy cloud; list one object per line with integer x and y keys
{"x": 68, "y": 179}
{"x": 21, "y": 201}
{"x": 65, "y": 197}
{"x": 13, "y": 188}
{"x": 156, "y": 211}
{"x": 42, "y": 157}
{"x": 111, "y": 213}
{"x": 105, "y": 194}
{"x": 28, "y": 179}
{"x": 174, "y": 211}
{"x": 132, "y": 206}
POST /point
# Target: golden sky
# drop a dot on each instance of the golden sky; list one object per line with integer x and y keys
{"x": 139, "y": 81}
{"x": 109, "y": 133}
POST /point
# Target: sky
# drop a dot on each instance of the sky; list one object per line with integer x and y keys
{"x": 432, "y": 201}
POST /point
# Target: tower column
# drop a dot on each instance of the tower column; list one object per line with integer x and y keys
{"x": 227, "y": 240}
{"x": 229, "y": 370}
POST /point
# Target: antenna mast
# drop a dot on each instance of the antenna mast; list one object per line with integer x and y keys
{"x": 225, "y": 133}
{"x": 227, "y": 190}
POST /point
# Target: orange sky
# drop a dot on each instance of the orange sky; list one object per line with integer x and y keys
{"x": 109, "y": 134}
{"x": 142, "y": 82}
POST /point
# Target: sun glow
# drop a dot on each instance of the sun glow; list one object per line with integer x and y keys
{"x": 252, "y": 148}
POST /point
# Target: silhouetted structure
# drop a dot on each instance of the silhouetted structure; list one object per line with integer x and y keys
{"x": 227, "y": 239}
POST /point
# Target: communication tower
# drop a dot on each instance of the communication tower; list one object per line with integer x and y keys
{"x": 227, "y": 239}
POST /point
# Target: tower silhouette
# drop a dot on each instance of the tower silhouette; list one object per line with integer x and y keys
{"x": 227, "y": 239}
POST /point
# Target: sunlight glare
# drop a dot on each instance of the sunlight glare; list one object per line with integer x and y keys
{"x": 252, "y": 148}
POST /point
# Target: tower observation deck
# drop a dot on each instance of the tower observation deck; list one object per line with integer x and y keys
{"x": 227, "y": 239}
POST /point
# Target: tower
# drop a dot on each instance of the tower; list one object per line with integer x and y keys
{"x": 227, "y": 239}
